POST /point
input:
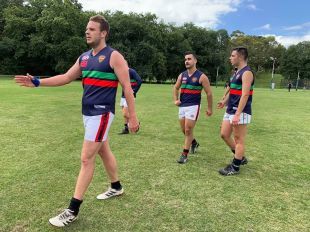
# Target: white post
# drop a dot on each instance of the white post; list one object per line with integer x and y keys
{"x": 272, "y": 73}
{"x": 217, "y": 74}
{"x": 297, "y": 81}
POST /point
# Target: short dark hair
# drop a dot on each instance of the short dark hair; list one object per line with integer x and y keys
{"x": 190, "y": 53}
{"x": 243, "y": 51}
{"x": 104, "y": 25}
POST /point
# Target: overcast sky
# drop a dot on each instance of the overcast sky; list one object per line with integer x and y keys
{"x": 288, "y": 21}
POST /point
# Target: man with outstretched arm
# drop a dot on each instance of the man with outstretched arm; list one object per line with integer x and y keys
{"x": 101, "y": 68}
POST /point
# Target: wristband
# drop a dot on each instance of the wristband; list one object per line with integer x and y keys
{"x": 36, "y": 81}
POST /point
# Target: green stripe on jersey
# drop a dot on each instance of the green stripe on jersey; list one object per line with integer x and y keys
{"x": 100, "y": 75}
{"x": 236, "y": 86}
{"x": 187, "y": 86}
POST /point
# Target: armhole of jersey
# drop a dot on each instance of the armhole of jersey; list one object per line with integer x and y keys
{"x": 181, "y": 78}
{"x": 253, "y": 76}
{"x": 250, "y": 72}
{"x": 200, "y": 80}
{"x": 111, "y": 60}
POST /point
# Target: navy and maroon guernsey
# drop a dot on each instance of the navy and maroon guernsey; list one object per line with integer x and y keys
{"x": 135, "y": 82}
{"x": 190, "y": 89}
{"x": 236, "y": 92}
{"x": 99, "y": 82}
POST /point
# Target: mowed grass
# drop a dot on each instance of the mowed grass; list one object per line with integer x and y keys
{"x": 40, "y": 143}
{"x": 263, "y": 80}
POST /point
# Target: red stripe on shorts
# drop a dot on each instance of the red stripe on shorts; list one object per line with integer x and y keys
{"x": 197, "y": 113}
{"x": 103, "y": 127}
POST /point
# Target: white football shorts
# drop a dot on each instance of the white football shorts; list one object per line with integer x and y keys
{"x": 189, "y": 112}
{"x": 123, "y": 102}
{"x": 244, "y": 118}
{"x": 97, "y": 127}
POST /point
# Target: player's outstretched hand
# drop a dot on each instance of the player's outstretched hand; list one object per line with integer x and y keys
{"x": 24, "y": 80}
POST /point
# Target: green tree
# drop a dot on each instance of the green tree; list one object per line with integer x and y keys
{"x": 60, "y": 30}
{"x": 260, "y": 50}
{"x": 49, "y": 33}
{"x": 177, "y": 44}
{"x": 46, "y": 37}
{"x": 18, "y": 26}
{"x": 4, "y": 4}
{"x": 222, "y": 54}
{"x": 208, "y": 45}
{"x": 297, "y": 59}
{"x": 142, "y": 40}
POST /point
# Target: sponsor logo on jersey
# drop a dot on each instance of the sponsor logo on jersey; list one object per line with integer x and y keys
{"x": 85, "y": 57}
{"x": 101, "y": 58}
{"x": 99, "y": 106}
{"x": 238, "y": 76}
{"x": 194, "y": 79}
{"x": 83, "y": 63}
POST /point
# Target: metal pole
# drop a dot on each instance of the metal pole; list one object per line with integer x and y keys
{"x": 297, "y": 81}
{"x": 272, "y": 69}
{"x": 217, "y": 74}
{"x": 272, "y": 74}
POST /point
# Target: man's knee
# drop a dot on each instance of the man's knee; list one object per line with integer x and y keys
{"x": 100, "y": 152}
{"x": 87, "y": 160}
{"x": 188, "y": 131}
{"x": 239, "y": 139}
{"x": 104, "y": 155}
{"x": 224, "y": 136}
{"x": 126, "y": 115}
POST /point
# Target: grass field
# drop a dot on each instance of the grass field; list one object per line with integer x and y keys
{"x": 41, "y": 137}
{"x": 263, "y": 80}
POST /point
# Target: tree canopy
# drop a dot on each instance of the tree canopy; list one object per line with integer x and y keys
{"x": 45, "y": 37}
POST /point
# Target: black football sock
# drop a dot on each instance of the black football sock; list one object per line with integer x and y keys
{"x": 75, "y": 205}
{"x": 236, "y": 164}
{"x": 194, "y": 141}
{"x": 116, "y": 185}
{"x": 185, "y": 152}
